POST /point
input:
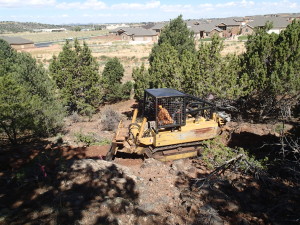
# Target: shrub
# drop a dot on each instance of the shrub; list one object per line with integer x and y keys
{"x": 28, "y": 99}
{"x": 87, "y": 139}
{"x": 75, "y": 72}
{"x": 112, "y": 75}
{"x": 216, "y": 154}
{"x": 75, "y": 118}
{"x": 90, "y": 139}
{"x": 110, "y": 119}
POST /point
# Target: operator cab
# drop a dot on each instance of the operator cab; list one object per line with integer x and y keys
{"x": 175, "y": 105}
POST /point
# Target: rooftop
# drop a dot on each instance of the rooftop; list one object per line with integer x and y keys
{"x": 278, "y": 22}
{"x": 165, "y": 92}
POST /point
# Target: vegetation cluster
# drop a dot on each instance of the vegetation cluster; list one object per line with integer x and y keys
{"x": 47, "y": 184}
{"x": 34, "y": 101}
{"x": 16, "y": 27}
{"x": 260, "y": 85}
{"x": 263, "y": 83}
{"x": 29, "y": 104}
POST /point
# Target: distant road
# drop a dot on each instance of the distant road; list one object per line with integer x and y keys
{"x": 43, "y": 44}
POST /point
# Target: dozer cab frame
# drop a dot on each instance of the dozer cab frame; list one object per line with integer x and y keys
{"x": 191, "y": 120}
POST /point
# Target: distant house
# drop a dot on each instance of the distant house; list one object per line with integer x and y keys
{"x": 221, "y": 27}
{"x": 291, "y": 17}
{"x": 196, "y": 30}
{"x": 278, "y": 23}
{"x": 158, "y": 27}
{"x": 135, "y": 34}
{"x": 191, "y": 23}
{"x": 18, "y": 43}
{"x": 230, "y": 27}
{"x": 238, "y": 19}
{"x": 247, "y": 30}
{"x": 216, "y": 31}
{"x": 206, "y": 30}
{"x": 117, "y": 31}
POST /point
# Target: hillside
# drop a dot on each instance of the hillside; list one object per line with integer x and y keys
{"x": 69, "y": 183}
{"x": 15, "y": 27}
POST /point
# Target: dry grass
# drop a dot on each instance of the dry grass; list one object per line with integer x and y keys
{"x": 236, "y": 47}
{"x": 131, "y": 55}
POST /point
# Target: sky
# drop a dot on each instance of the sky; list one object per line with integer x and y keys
{"x": 130, "y": 11}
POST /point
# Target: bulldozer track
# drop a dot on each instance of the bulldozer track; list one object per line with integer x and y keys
{"x": 173, "y": 152}
{"x": 169, "y": 147}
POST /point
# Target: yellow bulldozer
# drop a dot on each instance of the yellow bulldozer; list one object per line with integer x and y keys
{"x": 173, "y": 126}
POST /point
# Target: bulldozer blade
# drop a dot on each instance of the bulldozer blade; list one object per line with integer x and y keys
{"x": 111, "y": 152}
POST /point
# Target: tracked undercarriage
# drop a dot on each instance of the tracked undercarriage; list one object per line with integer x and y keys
{"x": 174, "y": 125}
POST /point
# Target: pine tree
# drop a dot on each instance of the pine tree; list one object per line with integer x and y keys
{"x": 219, "y": 76}
{"x": 259, "y": 58}
{"x": 287, "y": 60}
{"x": 190, "y": 82}
{"x": 169, "y": 64}
{"x": 272, "y": 64}
{"x": 75, "y": 71}
{"x": 113, "y": 73}
{"x": 142, "y": 81}
{"x": 28, "y": 103}
{"x": 112, "y": 76}
{"x": 165, "y": 69}
{"x": 178, "y": 35}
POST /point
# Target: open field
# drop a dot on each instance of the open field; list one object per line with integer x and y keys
{"x": 56, "y": 36}
{"x": 131, "y": 54}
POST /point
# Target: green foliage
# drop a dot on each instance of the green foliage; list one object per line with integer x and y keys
{"x": 98, "y": 27}
{"x": 126, "y": 90}
{"x": 113, "y": 73}
{"x": 77, "y": 28}
{"x": 142, "y": 81}
{"x": 75, "y": 72}
{"x": 216, "y": 154}
{"x": 243, "y": 38}
{"x": 113, "y": 88}
{"x": 287, "y": 60}
{"x": 90, "y": 139}
{"x": 178, "y": 35}
{"x": 165, "y": 68}
{"x": 28, "y": 102}
{"x": 272, "y": 63}
{"x": 217, "y": 75}
{"x": 169, "y": 59}
{"x": 258, "y": 59}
